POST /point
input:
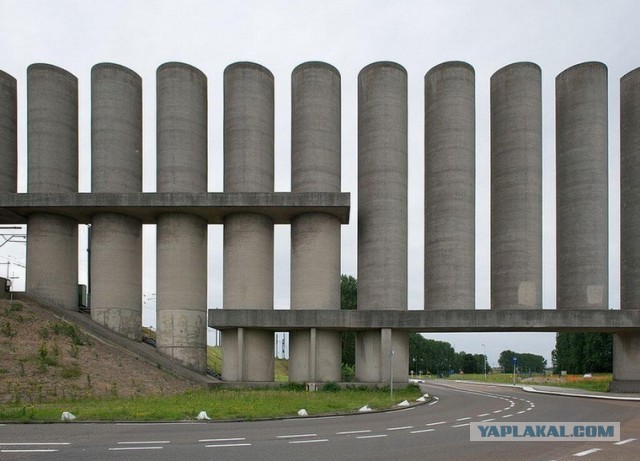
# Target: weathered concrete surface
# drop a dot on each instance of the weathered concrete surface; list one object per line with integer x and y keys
{"x": 182, "y": 238}
{"x": 8, "y": 133}
{"x": 315, "y": 355}
{"x": 582, "y": 187}
{"x": 626, "y": 347}
{"x": 213, "y": 207}
{"x": 449, "y": 258}
{"x": 516, "y": 187}
{"x": 116, "y": 166}
{"x": 247, "y": 355}
{"x": 52, "y": 129}
{"x": 540, "y": 320}
{"x": 382, "y": 205}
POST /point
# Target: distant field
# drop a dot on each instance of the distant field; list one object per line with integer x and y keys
{"x": 599, "y": 381}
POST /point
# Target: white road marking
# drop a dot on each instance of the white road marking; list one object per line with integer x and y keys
{"x": 293, "y": 436}
{"x": 399, "y": 428}
{"x": 528, "y": 409}
{"x": 507, "y": 416}
{"x": 461, "y": 425}
{"x": 38, "y": 444}
{"x": 464, "y": 419}
{"x": 222, "y": 445}
{"x": 232, "y": 439}
{"x": 365, "y": 431}
{"x": 371, "y": 436}
{"x": 506, "y": 408}
{"x": 622, "y": 442}
{"x": 533, "y": 405}
{"x": 433, "y": 403}
{"x": 142, "y": 443}
{"x": 520, "y": 412}
{"x": 488, "y": 420}
{"x": 436, "y": 424}
{"x": 421, "y": 431}
{"x": 498, "y": 411}
{"x": 134, "y": 448}
{"x": 24, "y": 450}
{"x": 482, "y": 415}
{"x": 587, "y": 452}
{"x": 309, "y": 441}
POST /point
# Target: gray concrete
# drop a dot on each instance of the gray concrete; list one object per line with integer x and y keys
{"x": 247, "y": 354}
{"x": 8, "y": 133}
{"x": 626, "y": 348}
{"x": 448, "y": 320}
{"x": 182, "y": 238}
{"x": 116, "y": 166}
{"x": 449, "y": 255}
{"x": 516, "y": 187}
{"x": 581, "y": 187}
{"x": 52, "y": 129}
{"x": 315, "y": 355}
{"x": 213, "y": 207}
{"x": 382, "y": 209}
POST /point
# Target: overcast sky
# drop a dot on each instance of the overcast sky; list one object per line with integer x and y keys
{"x": 348, "y": 34}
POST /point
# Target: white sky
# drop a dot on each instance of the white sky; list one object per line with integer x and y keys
{"x": 349, "y": 34}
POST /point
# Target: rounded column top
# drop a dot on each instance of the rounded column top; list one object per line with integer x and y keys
{"x": 382, "y": 64}
{"x": 247, "y": 65}
{"x": 588, "y": 66}
{"x": 315, "y": 65}
{"x": 174, "y": 65}
{"x": 635, "y": 73}
{"x": 51, "y": 69}
{"x": 517, "y": 66}
{"x": 7, "y": 79}
{"x": 450, "y": 65}
{"x": 106, "y": 66}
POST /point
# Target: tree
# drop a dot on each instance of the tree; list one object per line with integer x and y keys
{"x": 348, "y": 300}
{"x": 583, "y": 352}
{"x": 528, "y": 363}
{"x": 430, "y": 356}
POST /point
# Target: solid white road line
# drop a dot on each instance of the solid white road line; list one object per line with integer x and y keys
{"x": 226, "y": 445}
{"x": 232, "y": 439}
{"x": 354, "y": 432}
{"x": 587, "y": 452}
{"x": 371, "y": 436}
{"x": 622, "y": 442}
{"x": 309, "y": 441}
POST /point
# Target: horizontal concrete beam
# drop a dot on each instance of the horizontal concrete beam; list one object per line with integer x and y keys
{"x": 430, "y": 321}
{"x": 146, "y": 206}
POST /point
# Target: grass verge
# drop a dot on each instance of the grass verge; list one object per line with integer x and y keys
{"x": 220, "y": 404}
{"x": 599, "y": 382}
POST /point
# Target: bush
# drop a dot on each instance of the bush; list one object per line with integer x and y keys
{"x": 331, "y": 387}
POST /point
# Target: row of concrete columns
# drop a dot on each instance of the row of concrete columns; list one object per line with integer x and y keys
{"x": 182, "y": 127}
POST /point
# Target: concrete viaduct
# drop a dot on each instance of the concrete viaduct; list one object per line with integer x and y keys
{"x": 315, "y": 209}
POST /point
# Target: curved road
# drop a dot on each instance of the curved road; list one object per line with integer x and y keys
{"x": 435, "y": 431}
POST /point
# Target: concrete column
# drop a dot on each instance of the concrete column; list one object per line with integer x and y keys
{"x": 315, "y": 238}
{"x": 449, "y": 261}
{"x": 382, "y": 211}
{"x": 581, "y": 187}
{"x": 182, "y": 238}
{"x": 626, "y": 346}
{"x": 516, "y": 187}
{"x": 248, "y": 237}
{"x": 116, "y": 166}
{"x": 8, "y": 134}
{"x": 52, "y": 130}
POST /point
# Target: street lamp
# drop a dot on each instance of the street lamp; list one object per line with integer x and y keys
{"x": 485, "y": 361}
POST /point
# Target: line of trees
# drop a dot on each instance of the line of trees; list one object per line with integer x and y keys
{"x": 525, "y": 363}
{"x": 580, "y": 353}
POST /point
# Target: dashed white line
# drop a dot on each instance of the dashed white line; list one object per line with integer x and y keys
{"x": 464, "y": 419}
{"x": 432, "y": 403}
{"x": 520, "y": 412}
{"x": 482, "y": 415}
{"x": 498, "y": 411}
{"x": 506, "y": 408}
{"x": 488, "y": 420}
{"x": 587, "y": 452}
{"x": 622, "y": 442}
{"x": 364, "y": 431}
{"x": 35, "y": 444}
{"x": 309, "y": 441}
{"x": 461, "y": 425}
{"x": 24, "y": 450}
{"x": 528, "y": 409}
{"x": 134, "y": 448}
{"x": 399, "y": 428}
{"x": 421, "y": 431}
{"x": 232, "y": 439}
{"x": 436, "y": 424}
{"x": 223, "y": 445}
{"x": 293, "y": 436}
{"x": 371, "y": 436}
{"x": 507, "y": 416}
{"x": 143, "y": 443}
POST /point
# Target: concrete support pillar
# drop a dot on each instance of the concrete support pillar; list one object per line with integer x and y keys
{"x": 116, "y": 166}
{"x": 182, "y": 238}
{"x": 382, "y": 212}
{"x": 581, "y": 187}
{"x": 626, "y": 346}
{"x": 52, "y": 130}
{"x": 449, "y": 271}
{"x": 248, "y": 355}
{"x": 8, "y": 134}
{"x": 315, "y": 355}
{"x": 516, "y": 187}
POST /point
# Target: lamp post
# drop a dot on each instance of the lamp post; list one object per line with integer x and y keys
{"x": 485, "y": 361}
{"x": 391, "y": 372}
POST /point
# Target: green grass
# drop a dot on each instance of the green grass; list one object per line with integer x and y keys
{"x": 599, "y": 382}
{"x": 214, "y": 362}
{"x": 220, "y": 404}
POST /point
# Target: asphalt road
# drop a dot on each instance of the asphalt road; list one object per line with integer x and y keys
{"x": 435, "y": 431}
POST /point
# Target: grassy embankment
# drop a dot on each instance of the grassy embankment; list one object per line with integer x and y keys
{"x": 599, "y": 382}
